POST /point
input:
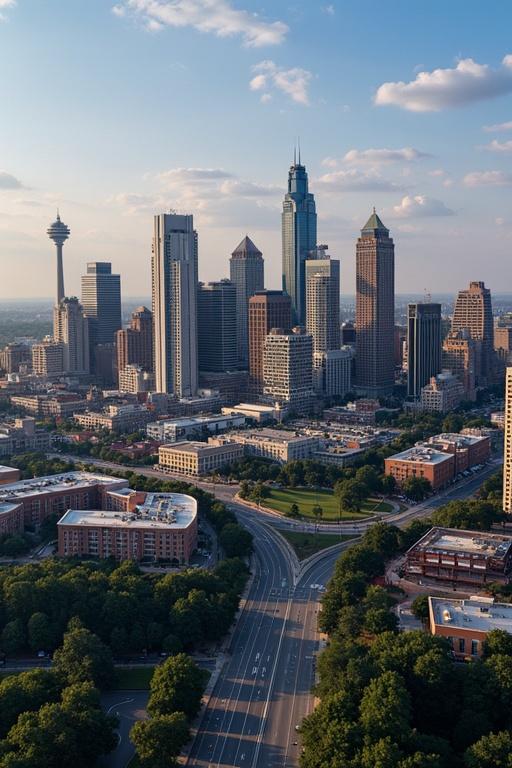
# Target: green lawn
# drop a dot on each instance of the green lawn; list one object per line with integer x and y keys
{"x": 306, "y": 544}
{"x": 306, "y": 498}
{"x": 133, "y": 678}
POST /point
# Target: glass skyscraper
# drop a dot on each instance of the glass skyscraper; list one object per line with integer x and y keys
{"x": 299, "y": 238}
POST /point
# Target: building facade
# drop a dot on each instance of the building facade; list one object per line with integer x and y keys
{"x": 135, "y": 343}
{"x": 288, "y": 369}
{"x": 246, "y": 271}
{"x": 465, "y": 624}
{"x": 267, "y": 310}
{"x": 423, "y": 346}
{"x": 174, "y": 304}
{"x": 375, "y": 307}
{"x": 197, "y": 459}
{"x": 444, "y": 393}
{"x": 473, "y": 312}
{"x": 460, "y": 357}
{"x": 217, "y": 326}
{"x": 48, "y": 358}
{"x": 422, "y": 461}
{"x": 298, "y": 238}
{"x": 101, "y": 302}
{"x": 323, "y": 300}
{"x": 71, "y": 329}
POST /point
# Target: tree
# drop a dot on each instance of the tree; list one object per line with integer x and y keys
{"x": 385, "y": 708}
{"x": 159, "y": 740}
{"x": 235, "y": 540}
{"x": 350, "y": 494}
{"x": 294, "y": 510}
{"x": 416, "y": 488}
{"x": 497, "y": 642}
{"x": 318, "y": 511}
{"x": 177, "y": 686}
{"x": 84, "y": 658}
{"x": 419, "y": 607}
{"x": 40, "y": 632}
{"x": 491, "y": 751}
{"x": 388, "y": 484}
{"x": 13, "y": 637}
{"x": 369, "y": 478}
{"x": 453, "y": 422}
{"x": 25, "y": 692}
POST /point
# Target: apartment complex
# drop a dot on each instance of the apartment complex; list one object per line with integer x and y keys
{"x": 48, "y": 358}
{"x": 71, "y": 329}
{"x": 460, "y": 357}
{"x": 135, "y": 343}
{"x": 422, "y": 461}
{"x": 288, "y": 369}
{"x": 116, "y": 418}
{"x": 274, "y": 444}
{"x": 133, "y": 379}
{"x": 196, "y": 459}
{"x": 454, "y": 556}
{"x": 466, "y": 623}
{"x": 138, "y": 526}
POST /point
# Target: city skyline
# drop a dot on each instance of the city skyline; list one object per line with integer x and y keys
{"x": 436, "y": 163}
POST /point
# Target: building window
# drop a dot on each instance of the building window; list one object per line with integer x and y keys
{"x": 474, "y": 647}
{"x": 462, "y": 645}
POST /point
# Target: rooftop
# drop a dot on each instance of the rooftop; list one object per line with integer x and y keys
{"x": 447, "y": 540}
{"x": 274, "y": 435}
{"x": 159, "y": 510}
{"x": 6, "y": 508}
{"x": 423, "y": 455}
{"x": 455, "y": 437}
{"x": 194, "y": 446}
{"x": 56, "y": 483}
{"x": 476, "y": 613}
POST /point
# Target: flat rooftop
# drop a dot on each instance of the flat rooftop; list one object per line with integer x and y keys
{"x": 274, "y": 435}
{"x": 458, "y": 439}
{"x": 166, "y": 511}
{"x": 452, "y": 540}
{"x": 5, "y": 508}
{"x": 422, "y": 455}
{"x": 477, "y": 614}
{"x": 55, "y": 483}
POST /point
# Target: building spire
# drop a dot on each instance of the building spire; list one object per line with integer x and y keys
{"x": 298, "y": 142}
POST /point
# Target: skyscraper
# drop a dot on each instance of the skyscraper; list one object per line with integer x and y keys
{"x": 507, "y": 452}
{"x": 298, "y": 238}
{"x": 135, "y": 344}
{"x": 267, "y": 310}
{"x": 216, "y": 326}
{"x": 71, "y": 329}
{"x": 473, "y": 311}
{"x": 288, "y": 368}
{"x": 174, "y": 303}
{"x": 101, "y": 300}
{"x": 460, "y": 357}
{"x": 59, "y": 233}
{"x": 423, "y": 346}
{"x": 246, "y": 270}
{"x": 323, "y": 300}
{"x": 375, "y": 308}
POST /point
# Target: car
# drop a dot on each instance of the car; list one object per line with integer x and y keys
{"x": 41, "y": 654}
{"x": 297, "y": 727}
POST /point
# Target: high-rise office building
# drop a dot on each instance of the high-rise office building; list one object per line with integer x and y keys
{"x": 348, "y": 334}
{"x": 423, "y": 346}
{"x": 460, "y": 357}
{"x": 174, "y": 304}
{"x": 473, "y": 312}
{"x": 48, "y": 358}
{"x": 101, "y": 301}
{"x": 216, "y": 326}
{"x": 267, "y": 310}
{"x": 375, "y": 307}
{"x": 135, "y": 343}
{"x": 288, "y": 369}
{"x": 323, "y": 300}
{"x": 59, "y": 233}
{"x": 298, "y": 238}
{"x": 332, "y": 372}
{"x": 71, "y": 329}
{"x": 507, "y": 452}
{"x": 246, "y": 269}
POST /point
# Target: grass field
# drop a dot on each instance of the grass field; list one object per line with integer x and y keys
{"x": 306, "y": 544}
{"x": 133, "y": 678}
{"x": 306, "y": 498}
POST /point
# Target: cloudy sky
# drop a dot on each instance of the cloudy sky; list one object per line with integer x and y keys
{"x": 116, "y": 110}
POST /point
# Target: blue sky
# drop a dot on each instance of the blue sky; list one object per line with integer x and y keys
{"x": 114, "y": 111}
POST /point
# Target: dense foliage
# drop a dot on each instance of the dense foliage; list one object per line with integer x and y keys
{"x": 127, "y": 609}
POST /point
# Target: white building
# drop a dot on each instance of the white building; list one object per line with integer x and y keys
{"x": 278, "y": 445}
{"x": 173, "y": 430}
{"x": 288, "y": 369}
{"x": 323, "y": 300}
{"x": 174, "y": 302}
{"x": 333, "y": 372}
{"x": 133, "y": 379}
{"x": 444, "y": 393}
{"x": 116, "y": 418}
{"x": 48, "y": 358}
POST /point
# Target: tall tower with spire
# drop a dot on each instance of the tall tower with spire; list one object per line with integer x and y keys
{"x": 298, "y": 236}
{"x": 375, "y": 309}
{"x": 59, "y": 233}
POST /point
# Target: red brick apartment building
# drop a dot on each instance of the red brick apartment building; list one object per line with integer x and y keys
{"x": 422, "y": 461}
{"x": 466, "y": 623}
{"x": 457, "y": 557}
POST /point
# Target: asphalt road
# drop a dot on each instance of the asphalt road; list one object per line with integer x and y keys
{"x": 128, "y": 706}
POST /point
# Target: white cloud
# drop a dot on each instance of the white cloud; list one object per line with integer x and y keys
{"x": 420, "y": 206}
{"x": 488, "y": 179}
{"x": 238, "y": 188}
{"x": 498, "y": 127}
{"x": 437, "y": 172}
{"x": 330, "y": 10}
{"x": 356, "y": 181}
{"x": 503, "y": 147}
{"x": 217, "y": 17}
{"x": 463, "y": 84}
{"x": 180, "y": 175}
{"x": 294, "y": 82}
{"x": 7, "y": 180}
{"x": 6, "y": 4}
{"x": 329, "y": 162}
{"x": 379, "y": 156}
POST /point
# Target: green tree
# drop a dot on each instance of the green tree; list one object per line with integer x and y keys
{"x": 318, "y": 511}
{"x": 40, "y": 632}
{"x": 26, "y": 692}
{"x": 491, "y": 751}
{"x": 416, "y": 488}
{"x": 388, "y": 485}
{"x": 294, "y": 510}
{"x": 235, "y": 540}
{"x": 419, "y": 607}
{"x": 385, "y": 709}
{"x": 453, "y": 422}
{"x": 177, "y": 686}
{"x": 84, "y": 658}
{"x": 159, "y": 740}
{"x": 13, "y": 637}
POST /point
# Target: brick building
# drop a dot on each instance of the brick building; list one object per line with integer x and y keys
{"x": 466, "y": 623}
{"x": 422, "y": 461}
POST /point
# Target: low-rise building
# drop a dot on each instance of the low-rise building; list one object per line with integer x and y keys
{"x": 133, "y": 379}
{"x": 41, "y": 497}
{"x": 362, "y": 412}
{"x": 9, "y": 475}
{"x": 60, "y": 406}
{"x": 142, "y": 526}
{"x": 468, "y": 450}
{"x": 466, "y": 623}
{"x": 256, "y": 412}
{"x": 276, "y": 444}
{"x": 116, "y": 418}
{"x": 459, "y": 557}
{"x": 444, "y": 393}
{"x": 22, "y": 435}
{"x": 422, "y": 461}
{"x": 11, "y": 518}
{"x": 196, "y": 459}
{"x": 498, "y": 419}
{"x": 174, "y": 430}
